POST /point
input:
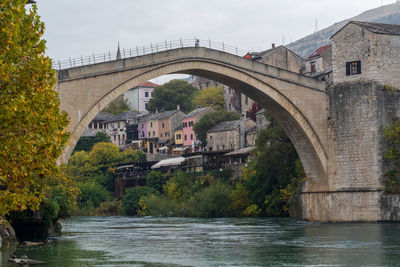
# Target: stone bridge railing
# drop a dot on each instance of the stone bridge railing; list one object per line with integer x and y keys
{"x": 145, "y": 50}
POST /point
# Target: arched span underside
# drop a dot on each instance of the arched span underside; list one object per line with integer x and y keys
{"x": 282, "y": 98}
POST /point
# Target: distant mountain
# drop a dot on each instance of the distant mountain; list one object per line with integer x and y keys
{"x": 306, "y": 46}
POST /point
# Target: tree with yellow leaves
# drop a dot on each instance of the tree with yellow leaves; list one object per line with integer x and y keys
{"x": 210, "y": 97}
{"x": 32, "y": 128}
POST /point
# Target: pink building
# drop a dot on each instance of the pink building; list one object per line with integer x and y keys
{"x": 139, "y": 97}
{"x": 189, "y": 137}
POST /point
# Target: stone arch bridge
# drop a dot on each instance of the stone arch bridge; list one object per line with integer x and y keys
{"x": 299, "y": 103}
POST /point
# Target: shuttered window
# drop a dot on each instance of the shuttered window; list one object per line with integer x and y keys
{"x": 353, "y": 68}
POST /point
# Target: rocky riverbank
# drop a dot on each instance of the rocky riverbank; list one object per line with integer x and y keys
{"x": 7, "y": 233}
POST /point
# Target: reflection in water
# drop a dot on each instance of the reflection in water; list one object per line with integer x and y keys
{"x": 130, "y": 241}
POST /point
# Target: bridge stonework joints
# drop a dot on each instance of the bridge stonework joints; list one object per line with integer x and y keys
{"x": 299, "y": 103}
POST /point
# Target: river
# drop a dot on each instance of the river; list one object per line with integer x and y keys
{"x": 149, "y": 241}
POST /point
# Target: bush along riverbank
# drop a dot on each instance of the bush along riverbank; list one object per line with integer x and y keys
{"x": 268, "y": 187}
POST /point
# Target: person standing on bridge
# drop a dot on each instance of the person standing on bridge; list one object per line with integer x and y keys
{"x": 197, "y": 43}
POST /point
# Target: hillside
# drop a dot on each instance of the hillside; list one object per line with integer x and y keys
{"x": 307, "y": 45}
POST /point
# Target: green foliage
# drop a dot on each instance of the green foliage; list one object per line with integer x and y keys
{"x": 271, "y": 180}
{"x": 109, "y": 208}
{"x": 130, "y": 201}
{"x": 31, "y": 125}
{"x": 117, "y": 106}
{"x": 156, "y": 180}
{"x": 92, "y": 194}
{"x": 86, "y": 143}
{"x": 131, "y": 155}
{"x": 98, "y": 165}
{"x": 274, "y": 164}
{"x": 191, "y": 194}
{"x": 210, "y": 97}
{"x": 160, "y": 206}
{"x": 211, "y": 119}
{"x": 392, "y": 156}
{"x": 213, "y": 201}
{"x": 253, "y": 211}
{"x": 274, "y": 203}
{"x": 171, "y": 94}
{"x": 240, "y": 200}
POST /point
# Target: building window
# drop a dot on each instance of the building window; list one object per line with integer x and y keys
{"x": 115, "y": 138}
{"x": 151, "y": 124}
{"x": 142, "y": 125}
{"x": 146, "y": 106}
{"x": 185, "y": 137}
{"x": 149, "y": 134}
{"x": 161, "y": 135}
{"x": 217, "y": 147}
{"x": 313, "y": 67}
{"x": 210, "y": 136}
{"x": 353, "y": 67}
{"x": 162, "y": 125}
{"x": 210, "y": 148}
{"x": 142, "y": 133}
{"x": 191, "y": 136}
{"x": 154, "y": 133}
{"x": 146, "y": 94}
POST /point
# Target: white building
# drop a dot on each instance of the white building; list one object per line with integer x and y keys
{"x": 139, "y": 97}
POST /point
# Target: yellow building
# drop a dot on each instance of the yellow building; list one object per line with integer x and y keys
{"x": 178, "y": 136}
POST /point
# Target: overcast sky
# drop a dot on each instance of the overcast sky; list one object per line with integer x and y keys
{"x": 84, "y": 27}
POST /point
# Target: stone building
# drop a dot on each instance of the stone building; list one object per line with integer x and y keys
{"x": 280, "y": 57}
{"x": 98, "y": 124}
{"x": 364, "y": 51}
{"x": 227, "y": 135}
{"x": 116, "y": 128}
{"x": 319, "y": 64}
{"x": 139, "y": 96}
{"x": 261, "y": 121}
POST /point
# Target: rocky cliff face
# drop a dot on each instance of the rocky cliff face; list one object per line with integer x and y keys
{"x": 306, "y": 46}
{"x": 7, "y": 233}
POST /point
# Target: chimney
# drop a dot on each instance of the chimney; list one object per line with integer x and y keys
{"x": 178, "y": 107}
{"x": 273, "y": 45}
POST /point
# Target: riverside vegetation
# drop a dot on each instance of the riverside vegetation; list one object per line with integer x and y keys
{"x": 266, "y": 187}
{"x": 34, "y": 192}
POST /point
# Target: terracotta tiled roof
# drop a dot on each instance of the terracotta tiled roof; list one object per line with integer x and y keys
{"x": 320, "y": 51}
{"x": 148, "y": 84}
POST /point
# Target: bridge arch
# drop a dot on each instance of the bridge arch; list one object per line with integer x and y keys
{"x": 297, "y": 102}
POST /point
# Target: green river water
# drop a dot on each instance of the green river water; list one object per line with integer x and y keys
{"x": 149, "y": 241}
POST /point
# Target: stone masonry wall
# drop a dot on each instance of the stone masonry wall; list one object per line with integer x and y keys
{"x": 355, "y": 128}
{"x": 358, "y": 114}
{"x": 379, "y": 55}
{"x": 224, "y": 140}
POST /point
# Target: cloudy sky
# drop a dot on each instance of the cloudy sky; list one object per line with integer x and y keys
{"x": 84, "y": 27}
